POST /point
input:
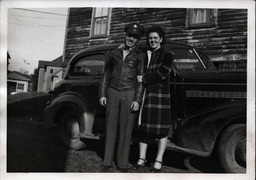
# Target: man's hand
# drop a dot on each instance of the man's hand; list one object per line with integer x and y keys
{"x": 103, "y": 101}
{"x": 135, "y": 106}
{"x": 139, "y": 78}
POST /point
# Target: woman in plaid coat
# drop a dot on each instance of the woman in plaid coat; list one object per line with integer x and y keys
{"x": 155, "y": 118}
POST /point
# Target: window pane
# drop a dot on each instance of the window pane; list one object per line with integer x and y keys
{"x": 104, "y": 11}
{"x": 101, "y": 12}
{"x": 199, "y": 16}
{"x": 209, "y": 14}
{"x": 97, "y": 27}
{"x": 104, "y": 26}
{"x": 98, "y": 12}
{"x": 193, "y": 18}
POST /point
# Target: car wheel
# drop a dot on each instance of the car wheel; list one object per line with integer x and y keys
{"x": 232, "y": 149}
{"x": 70, "y": 131}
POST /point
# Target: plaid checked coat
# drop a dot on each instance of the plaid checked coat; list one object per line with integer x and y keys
{"x": 156, "y": 115}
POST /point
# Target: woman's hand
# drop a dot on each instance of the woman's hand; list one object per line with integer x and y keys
{"x": 103, "y": 101}
{"x": 139, "y": 78}
{"x": 135, "y": 106}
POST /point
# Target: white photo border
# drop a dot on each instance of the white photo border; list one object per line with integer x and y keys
{"x": 246, "y": 4}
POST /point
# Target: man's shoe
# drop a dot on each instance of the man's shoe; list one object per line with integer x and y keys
{"x": 106, "y": 169}
{"x": 123, "y": 170}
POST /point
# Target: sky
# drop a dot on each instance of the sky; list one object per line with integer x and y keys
{"x": 33, "y": 35}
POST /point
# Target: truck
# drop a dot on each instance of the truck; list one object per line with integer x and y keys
{"x": 208, "y": 106}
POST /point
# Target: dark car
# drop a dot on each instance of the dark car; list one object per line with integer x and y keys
{"x": 208, "y": 106}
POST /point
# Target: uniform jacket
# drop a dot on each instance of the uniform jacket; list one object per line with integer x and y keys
{"x": 122, "y": 74}
{"x": 156, "y": 110}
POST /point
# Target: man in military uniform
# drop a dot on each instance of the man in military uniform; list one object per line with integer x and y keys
{"x": 122, "y": 95}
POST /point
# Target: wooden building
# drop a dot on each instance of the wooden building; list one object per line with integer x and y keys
{"x": 220, "y": 33}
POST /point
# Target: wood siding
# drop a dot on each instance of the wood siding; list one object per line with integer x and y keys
{"x": 78, "y": 31}
{"x": 226, "y": 43}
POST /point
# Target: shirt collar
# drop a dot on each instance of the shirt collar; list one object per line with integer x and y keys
{"x": 156, "y": 49}
{"x": 129, "y": 49}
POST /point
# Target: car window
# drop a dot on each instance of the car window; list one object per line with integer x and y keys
{"x": 91, "y": 65}
{"x": 186, "y": 59}
{"x": 206, "y": 60}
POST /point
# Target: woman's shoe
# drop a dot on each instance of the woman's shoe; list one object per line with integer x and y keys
{"x": 138, "y": 166}
{"x": 155, "y": 170}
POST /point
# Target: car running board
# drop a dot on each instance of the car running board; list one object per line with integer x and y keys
{"x": 171, "y": 146}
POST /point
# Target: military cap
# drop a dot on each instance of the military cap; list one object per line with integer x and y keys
{"x": 134, "y": 28}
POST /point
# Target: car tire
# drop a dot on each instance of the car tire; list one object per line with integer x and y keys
{"x": 232, "y": 149}
{"x": 70, "y": 131}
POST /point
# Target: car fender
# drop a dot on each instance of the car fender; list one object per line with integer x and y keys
{"x": 72, "y": 101}
{"x": 199, "y": 131}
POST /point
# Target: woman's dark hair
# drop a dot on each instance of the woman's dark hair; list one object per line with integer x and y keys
{"x": 158, "y": 30}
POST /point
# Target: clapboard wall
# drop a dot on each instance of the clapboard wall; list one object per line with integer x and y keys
{"x": 226, "y": 43}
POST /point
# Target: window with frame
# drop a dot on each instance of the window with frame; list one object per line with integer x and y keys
{"x": 20, "y": 86}
{"x": 100, "y": 21}
{"x": 200, "y": 18}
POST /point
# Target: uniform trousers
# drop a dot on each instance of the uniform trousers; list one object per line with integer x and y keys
{"x": 119, "y": 119}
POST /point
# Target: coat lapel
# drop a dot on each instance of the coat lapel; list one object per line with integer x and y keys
{"x": 133, "y": 53}
{"x": 119, "y": 53}
{"x": 155, "y": 57}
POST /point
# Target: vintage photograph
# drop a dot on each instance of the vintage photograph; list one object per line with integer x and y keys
{"x": 141, "y": 91}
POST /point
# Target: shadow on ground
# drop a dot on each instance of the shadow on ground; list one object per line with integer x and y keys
{"x": 32, "y": 148}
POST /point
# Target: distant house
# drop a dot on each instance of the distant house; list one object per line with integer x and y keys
{"x": 17, "y": 82}
{"x": 49, "y": 73}
{"x": 221, "y": 33}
